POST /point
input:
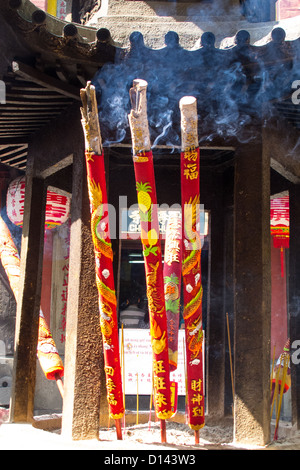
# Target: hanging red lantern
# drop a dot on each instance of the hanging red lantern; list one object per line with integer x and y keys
{"x": 280, "y": 225}
{"x": 57, "y": 205}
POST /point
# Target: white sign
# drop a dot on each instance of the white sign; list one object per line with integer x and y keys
{"x": 61, "y": 9}
{"x": 131, "y": 223}
{"x": 138, "y": 362}
{"x": 2, "y": 92}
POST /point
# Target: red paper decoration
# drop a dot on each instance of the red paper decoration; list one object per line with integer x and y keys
{"x": 57, "y": 205}
{"x": 280, "y": 225}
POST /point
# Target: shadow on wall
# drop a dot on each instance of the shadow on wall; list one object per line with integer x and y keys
{"x": 82, "y": 10}
{"x": 252, "y": 10}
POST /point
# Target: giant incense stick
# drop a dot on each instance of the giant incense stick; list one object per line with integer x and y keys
{"x": 47, "y": 353}
{"x": 172, "y": 283}
{"x": 191, "y": 262}
{"x": 103, "y": 253}
{"x": 147, "y": 201}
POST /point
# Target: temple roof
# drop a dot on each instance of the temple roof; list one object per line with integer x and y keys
{"x": 45, "y": 61}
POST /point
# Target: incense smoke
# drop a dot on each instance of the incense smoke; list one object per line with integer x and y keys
{"x": 233, "y": 87}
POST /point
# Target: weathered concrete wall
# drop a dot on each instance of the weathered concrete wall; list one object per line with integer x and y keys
{"x": 82, "y": 10}
{"x": 189, "y": 20}
{"x": 252, "y": 284}
{"x": 283, "y": 146}
{"x": 176, "y": 9}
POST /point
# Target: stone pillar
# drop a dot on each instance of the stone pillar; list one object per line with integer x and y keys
{"x": 28, "y": 306}
{"x": 215, "y": 331}
{"x": 252, "y": 291}
{"x": 294, "y": 299}
{"x": 83, "y": 350}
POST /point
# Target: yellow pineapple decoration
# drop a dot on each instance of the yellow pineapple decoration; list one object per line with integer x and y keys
{"x": 144, "y": 200}
{"x": 152, "y": 237}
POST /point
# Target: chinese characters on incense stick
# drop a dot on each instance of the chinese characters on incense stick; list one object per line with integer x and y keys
{"x": 172, "y": 284}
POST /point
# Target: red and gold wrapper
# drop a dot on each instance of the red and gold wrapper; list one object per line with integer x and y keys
{"x": 192, "y": 285}
{"x": 47, "y": 353}
{"x": 147, "y": 201}
{"x": 10, "y": 258}
{"x": 105, "y": 281}
{"x": 172, "y": 284}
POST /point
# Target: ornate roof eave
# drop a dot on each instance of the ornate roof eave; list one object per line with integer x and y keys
{"x": 47, "y": 35}
{"x": 62, "y": 56}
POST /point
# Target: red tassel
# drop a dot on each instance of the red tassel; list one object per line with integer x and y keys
{"x": 282, "y": 261}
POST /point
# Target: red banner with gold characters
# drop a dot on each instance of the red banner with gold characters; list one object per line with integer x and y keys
{"x": 47, "y": 353}
{"x": 280, "y": 225}
{"x": 147, "y": 201}
{"x": 192, "y": 285}
{"x": 172, "y": 283}
{"x": 105, "y": 281}
{"x": 280, "y": 221}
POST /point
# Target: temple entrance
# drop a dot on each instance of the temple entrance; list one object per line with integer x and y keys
{"x": 130, "y": 273}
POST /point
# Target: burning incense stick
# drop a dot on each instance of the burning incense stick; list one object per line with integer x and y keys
{"x": 151, "y": 400}
{"x": 59, "y": 384}
{"x": 137, "y": 398}
{"x": 103, "y": 253}
{"x": 272, "y": 370}
{"x": 147, "y": 201}
{"x": 138, "y": 119}
{"x": 191, "y": 261}
{"x": 275, "y": 393}
{"x": 185, "y": 382}
{"x": 230, "y": 360}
